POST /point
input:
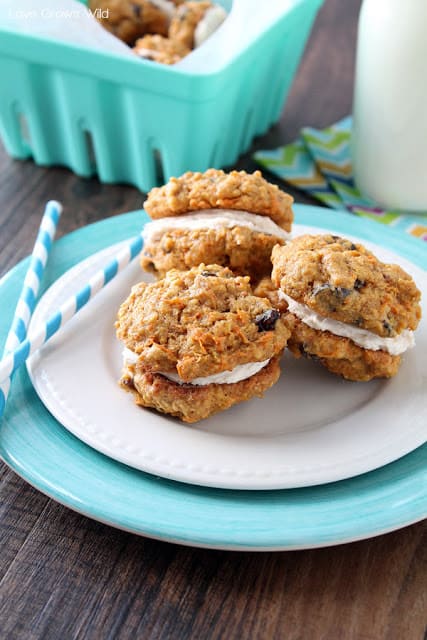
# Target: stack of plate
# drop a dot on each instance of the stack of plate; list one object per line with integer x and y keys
{"x": 318, "y": 461}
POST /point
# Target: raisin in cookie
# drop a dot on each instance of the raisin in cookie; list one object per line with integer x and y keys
{"x": 346, "y": 308}
{"x": 198, "y": 342}
{"x": 232, "y": 219}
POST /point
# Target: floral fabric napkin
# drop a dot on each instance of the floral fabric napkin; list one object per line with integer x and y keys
{"x": 319, "y": 162}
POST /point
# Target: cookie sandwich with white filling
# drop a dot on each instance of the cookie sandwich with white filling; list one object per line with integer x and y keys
{"x": 345, "y": 308}
{"x": 194, "y": 22}
{"x": 231, "y": 219}
{"x": 197, "y": 342}
{"x": 191, "y": 24}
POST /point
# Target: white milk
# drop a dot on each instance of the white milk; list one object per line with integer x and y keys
{"x": 390, "y": 103}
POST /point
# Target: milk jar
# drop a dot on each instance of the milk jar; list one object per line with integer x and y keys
{"x": 390, "y": 104}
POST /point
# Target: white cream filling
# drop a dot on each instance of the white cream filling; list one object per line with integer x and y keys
{"x": 166, "y": 6}
{"x": 129, "y": 357}
{"x": 241, "y": 372}
{"x": 213, "y": 219}
{"x": 210, "y": 22}
{"x": 362, "y": 337}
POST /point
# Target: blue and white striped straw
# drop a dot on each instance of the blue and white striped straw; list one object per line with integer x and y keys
{"x": 30, "y": 288}
{"x": 69, "y": 308}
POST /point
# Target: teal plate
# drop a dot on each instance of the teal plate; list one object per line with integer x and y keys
{"x": 45, "y": 454}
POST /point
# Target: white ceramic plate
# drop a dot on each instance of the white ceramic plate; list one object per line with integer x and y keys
{"x": 310, "y": 428}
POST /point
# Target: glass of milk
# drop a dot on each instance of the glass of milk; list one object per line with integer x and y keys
{"x": 390, "y": 104}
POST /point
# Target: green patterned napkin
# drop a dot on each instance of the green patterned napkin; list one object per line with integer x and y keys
{"x": 319, "y": 162}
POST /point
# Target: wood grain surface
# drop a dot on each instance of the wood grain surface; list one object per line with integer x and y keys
{"x": 63, "y": 576}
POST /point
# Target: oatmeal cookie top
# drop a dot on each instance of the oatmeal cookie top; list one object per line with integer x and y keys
{"x": 160, "y": 49}
{"x": 199, "y": 322}
{"x": 342, "y": 280}
{"x": 215, "y": 189}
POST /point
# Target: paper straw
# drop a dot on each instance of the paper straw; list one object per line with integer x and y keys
{"x": 30, "y": 288}
{"x": 69, "y": 308}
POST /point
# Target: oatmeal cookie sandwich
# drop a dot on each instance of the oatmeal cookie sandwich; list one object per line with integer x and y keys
{"x": 194, "y": 22}
{"x": 191, "y": 25}
{"x": 353, "y": 313}
{"x": 231, "y": 219}
{"x": 198, "y": 342}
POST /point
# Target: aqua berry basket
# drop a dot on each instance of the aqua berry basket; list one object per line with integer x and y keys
{"x": 132, "y": 121}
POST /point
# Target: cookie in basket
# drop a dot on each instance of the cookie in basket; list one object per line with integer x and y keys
{"x": 231, "y": 219}
{"x": 194, "y": 22}
{"x": 160, "y": 49}
{"x": 198, "y": 342}
{"x": 346, "y": 309}
{"x": 131, "y": 19}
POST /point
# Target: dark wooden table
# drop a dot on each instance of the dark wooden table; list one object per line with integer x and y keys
{"x": 54, "y": 582}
